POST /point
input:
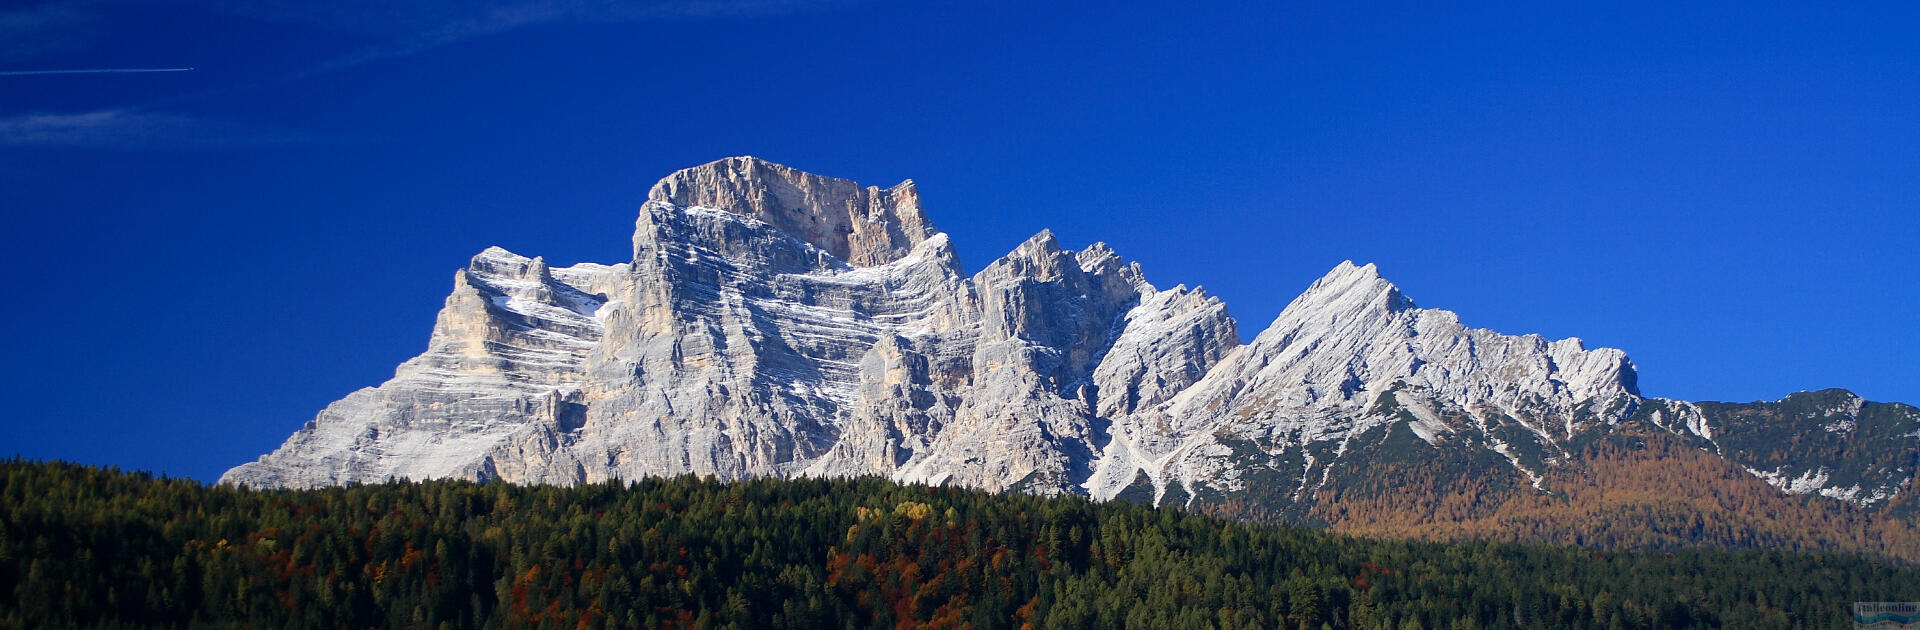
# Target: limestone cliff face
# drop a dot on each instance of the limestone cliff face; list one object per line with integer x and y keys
{"x": 776, "y": 322}
{"x": 771, "y": 322}
{"x": 504, "y": 366}
{"x": 1353, "y": 354}
{"x": 863, "y": 227}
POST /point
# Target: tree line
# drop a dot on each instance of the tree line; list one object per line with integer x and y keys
{"x": 99, "y": 548}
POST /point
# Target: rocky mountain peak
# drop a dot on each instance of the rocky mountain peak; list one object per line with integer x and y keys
{"x": 863, "y": 227}
{"x": 1039, "y": 258}
{"x": 778, "y": 323}
{"x": 1348, "y": 288}
{"x": 497, "y": 261}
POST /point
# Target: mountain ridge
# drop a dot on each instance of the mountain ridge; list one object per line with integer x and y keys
{"x": 776, "y": 322}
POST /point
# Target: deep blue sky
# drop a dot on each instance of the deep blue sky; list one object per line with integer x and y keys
{"x": 199, "y": 261}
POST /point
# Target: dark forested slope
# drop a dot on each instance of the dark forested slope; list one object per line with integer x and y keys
{"x": 83, "y": 546}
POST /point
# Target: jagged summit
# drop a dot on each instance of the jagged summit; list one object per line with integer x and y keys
{"x": 1352, "y": 339}
{"x": 777, "y": 322}
{"x": 1348, "y": 288}
{"x": 862, "y": 226}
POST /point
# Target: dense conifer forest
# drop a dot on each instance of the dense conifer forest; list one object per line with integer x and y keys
{"x": 91, "y": 547}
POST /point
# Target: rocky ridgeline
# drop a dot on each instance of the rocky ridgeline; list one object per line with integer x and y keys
{"x": 776, "y": 322}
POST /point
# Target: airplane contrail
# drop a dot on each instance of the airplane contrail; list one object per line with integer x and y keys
{"x": 25, "y": 73}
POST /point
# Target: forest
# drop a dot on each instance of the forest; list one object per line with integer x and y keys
{"x": 90, "y": 547}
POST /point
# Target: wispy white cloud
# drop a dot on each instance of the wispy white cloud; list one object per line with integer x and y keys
{"x": 399, "y": 29}
{"x": 427, "y": 28}
{"x": 385, "y": 18}
{"x": 33, "y": 73}
{"x": 134, "y": 129}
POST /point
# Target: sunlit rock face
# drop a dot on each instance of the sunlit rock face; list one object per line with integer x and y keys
{"x": 771, "y": 322}
{"x": 776, "y": 322}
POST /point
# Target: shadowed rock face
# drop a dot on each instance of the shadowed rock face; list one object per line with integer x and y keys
{"x": 776, "y": 322}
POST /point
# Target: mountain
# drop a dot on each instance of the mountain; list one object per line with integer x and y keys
{"x": 778, "y": 323}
